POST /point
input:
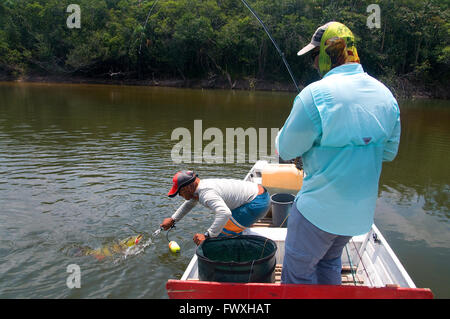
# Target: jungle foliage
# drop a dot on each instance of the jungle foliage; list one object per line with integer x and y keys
{"x": 196, "y": 38}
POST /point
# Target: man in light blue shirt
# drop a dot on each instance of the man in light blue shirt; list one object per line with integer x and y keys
{"x": 344, "y": 126}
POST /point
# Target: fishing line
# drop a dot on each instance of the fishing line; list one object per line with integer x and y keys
{"x": 274, "y": 43}
{"x": 260, "y": 21}
{"x": 158, "y": 231}
{"x": 351, "y": 264}
{"x": 167, "y": 234}
{"x": 285, "y": 219}
{"x": 145, "y": 25}
{"x": 280, "y": 53}
{"x": 361, "y": 261}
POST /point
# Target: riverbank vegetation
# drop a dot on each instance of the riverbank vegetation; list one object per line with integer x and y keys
{"x": 218, "y": 43}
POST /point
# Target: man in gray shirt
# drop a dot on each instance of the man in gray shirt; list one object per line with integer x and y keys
{"x": 237, "y": 204}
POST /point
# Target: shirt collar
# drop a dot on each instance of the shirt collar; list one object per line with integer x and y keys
{"x": 350, "y": 68}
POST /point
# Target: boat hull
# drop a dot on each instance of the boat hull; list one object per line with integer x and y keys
{"x": 191, "y": 289}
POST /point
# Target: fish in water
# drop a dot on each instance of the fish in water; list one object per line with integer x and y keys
{"x": 110, "y": 249}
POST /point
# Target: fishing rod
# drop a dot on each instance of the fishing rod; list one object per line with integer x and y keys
{"x": 274, "y": 43}
{"x": 298, "y": 159}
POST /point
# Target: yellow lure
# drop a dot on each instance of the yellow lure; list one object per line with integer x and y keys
{"x": 173, "y": 246}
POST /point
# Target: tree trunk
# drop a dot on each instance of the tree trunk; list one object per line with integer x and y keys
{"x": 224, "y": 72}
{"x": 262, "y": 59}
{"x": 417, "y": 52}
{"x": 384, "y": 35}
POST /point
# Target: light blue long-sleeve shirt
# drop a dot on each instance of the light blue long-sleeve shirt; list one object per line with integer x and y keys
{"x": 344, "y": 126}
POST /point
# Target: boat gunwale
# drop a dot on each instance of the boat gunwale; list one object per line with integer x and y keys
{"x": 196, "y": 289}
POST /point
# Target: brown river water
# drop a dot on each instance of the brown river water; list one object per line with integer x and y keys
{"x": 87, "y": 165}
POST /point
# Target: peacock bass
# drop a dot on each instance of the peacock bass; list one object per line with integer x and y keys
{"x": 111, "y": 249}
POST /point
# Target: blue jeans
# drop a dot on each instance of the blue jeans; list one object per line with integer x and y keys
{"x": 246, "y": 215}
{"x": 312, "y": 256}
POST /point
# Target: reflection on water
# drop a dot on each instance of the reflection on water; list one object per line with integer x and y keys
{"x": 413, "y": 203}
{"x": 84, "y": 165}
{"x": 417, "y": 182}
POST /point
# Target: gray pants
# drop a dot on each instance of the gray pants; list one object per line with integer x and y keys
{"x": 312, "y": 256}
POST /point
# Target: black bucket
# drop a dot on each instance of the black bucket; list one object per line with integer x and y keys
{"x": 246, "y": 258}
{"x": 281, "y": 205}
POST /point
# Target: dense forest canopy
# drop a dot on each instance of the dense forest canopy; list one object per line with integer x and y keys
{"x": 196, "y": 38}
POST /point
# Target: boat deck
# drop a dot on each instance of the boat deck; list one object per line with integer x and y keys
{"x": 347, "y": 277}
{"x": 348, "y": 273}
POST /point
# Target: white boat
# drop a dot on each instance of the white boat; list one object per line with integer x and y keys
{"x": 370, "y": 268}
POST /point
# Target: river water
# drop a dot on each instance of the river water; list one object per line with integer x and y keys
{"x": 87, "y": 165}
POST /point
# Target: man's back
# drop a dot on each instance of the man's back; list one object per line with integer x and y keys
{"x": 357, "y": 126}
{"x": 233, "y": 192}
{"x": 355, "y": 108}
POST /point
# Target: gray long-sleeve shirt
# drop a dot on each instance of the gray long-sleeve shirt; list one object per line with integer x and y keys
{"x": 221, "y": 196}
